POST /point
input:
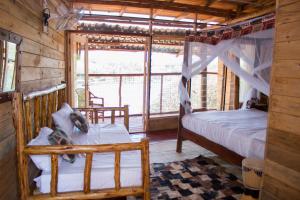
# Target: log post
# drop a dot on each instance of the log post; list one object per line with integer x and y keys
{"x": 54, "y": 174}
{"x": 44, "y": 110}
{"x": 50, "y": 109}
{"x": 146, "y": 168}
{"x": 117, "y": 170}
{"x": 37, "y": 115}
{"x": 126, "y": 117}
{"x": 20, "y": 140}
{"x": 113, "y": 116}
{"x": 87, "y": 173}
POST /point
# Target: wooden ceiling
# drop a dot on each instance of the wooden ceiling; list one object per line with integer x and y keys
{"x": 206, "y": 10}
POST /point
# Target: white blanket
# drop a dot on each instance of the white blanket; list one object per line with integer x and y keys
{"x": 71, "y": 176}
{"x": 242, "y": 131}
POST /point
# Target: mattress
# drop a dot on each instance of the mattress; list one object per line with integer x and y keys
{"x": 241, "y": 131}
{"x": 71, "y": 176}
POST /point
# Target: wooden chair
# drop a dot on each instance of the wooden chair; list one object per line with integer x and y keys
{"x": 96, "y": 102}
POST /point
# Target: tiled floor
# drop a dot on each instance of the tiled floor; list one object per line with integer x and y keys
{"x": 155, "y": 135}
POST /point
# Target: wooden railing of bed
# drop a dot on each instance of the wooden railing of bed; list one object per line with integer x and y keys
{"x": 33, "y": 111}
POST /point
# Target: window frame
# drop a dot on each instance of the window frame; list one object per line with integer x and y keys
{"x": 9, "y": 36}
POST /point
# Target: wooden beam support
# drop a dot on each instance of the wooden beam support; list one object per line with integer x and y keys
{"x": 86, "y": 72}
{"x": 144, "y": 21}
{"x": 164, "y": 5}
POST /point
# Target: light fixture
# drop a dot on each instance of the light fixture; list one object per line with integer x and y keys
{"x": 46, "y": 16}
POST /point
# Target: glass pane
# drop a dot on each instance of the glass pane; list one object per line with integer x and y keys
{"x": 170, "y": 96}
{"x": 79, "y": 80}
{"x": 132, "y": 93}
{"x": 8, "y": 69}
{"x": 165, "y": 76}
{"x": 155, "y": 94}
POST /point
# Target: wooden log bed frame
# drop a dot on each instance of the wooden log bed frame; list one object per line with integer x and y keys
{"x": 33, "y": 111}
{"x": 185, "y": 134}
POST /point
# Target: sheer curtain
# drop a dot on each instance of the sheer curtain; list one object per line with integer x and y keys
{"x": 254, "y": 53}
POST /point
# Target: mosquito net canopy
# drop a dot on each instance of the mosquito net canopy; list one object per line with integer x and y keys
{"x": 249, "y": 57}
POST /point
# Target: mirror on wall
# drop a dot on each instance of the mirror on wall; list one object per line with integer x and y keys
{"x": 9, "y": 45}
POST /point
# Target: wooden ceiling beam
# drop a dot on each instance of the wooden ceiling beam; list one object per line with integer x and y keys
{"x": 140, "y": 21}
{"x": 182, "y": 16}
{"x": 164, "y": 5}
{"x": 131, "y": 43}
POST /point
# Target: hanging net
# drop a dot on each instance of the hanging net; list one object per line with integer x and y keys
{"x": 249, "y": 57}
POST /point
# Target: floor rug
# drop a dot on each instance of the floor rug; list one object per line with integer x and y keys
{"x": 195, "y": 179}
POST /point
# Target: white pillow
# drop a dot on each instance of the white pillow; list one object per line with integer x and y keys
{"x": 42, "y": 162}
{"x": 62, "y": 119}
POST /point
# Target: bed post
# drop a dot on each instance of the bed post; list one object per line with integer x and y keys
{"x": 181, "y": 114}
{"x": 20, "y": 140}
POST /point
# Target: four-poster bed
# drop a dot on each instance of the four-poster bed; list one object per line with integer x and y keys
{"x": 246, "y": 49}
{"x": 33, "y": 111}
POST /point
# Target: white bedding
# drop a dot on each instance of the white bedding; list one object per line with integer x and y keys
{"x": 71, "y": 176}
{"x": 242, "y": 131}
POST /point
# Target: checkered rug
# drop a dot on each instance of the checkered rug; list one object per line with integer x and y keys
{"x": 195, "y": 179}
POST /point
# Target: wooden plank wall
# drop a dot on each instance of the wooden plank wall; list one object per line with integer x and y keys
{"x": 42, "y": 65}
{"x": 282, "y": 162}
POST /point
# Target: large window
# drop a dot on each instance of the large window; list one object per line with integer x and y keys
{"x": 165, "y": 76}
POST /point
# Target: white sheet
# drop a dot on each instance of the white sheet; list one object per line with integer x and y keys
{"x": 70, "y": 176}
{"x": 242, "y": 131}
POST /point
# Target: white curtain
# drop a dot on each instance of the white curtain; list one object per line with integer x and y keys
{"x": 254, "y": 51}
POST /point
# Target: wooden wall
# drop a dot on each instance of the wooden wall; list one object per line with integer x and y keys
{"x": 282, "y": 163}
{"x": 42, "y": 65}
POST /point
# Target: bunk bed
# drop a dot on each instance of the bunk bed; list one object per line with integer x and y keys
{"x": 102, "y": 169}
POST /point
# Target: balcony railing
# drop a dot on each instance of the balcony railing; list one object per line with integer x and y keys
{"x": 121, "y": 89}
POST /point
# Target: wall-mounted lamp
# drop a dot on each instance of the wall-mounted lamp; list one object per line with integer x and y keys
{"x": 46, "y": 16}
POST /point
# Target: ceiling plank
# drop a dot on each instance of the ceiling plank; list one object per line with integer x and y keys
{"x": 164, "y": 5}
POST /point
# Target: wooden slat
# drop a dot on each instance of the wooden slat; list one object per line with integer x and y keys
{"x": 282, "y": 121}
{"x": 54, "y": 174}
{"x": 117, "y": 170}
{"x": 44, "y": 111}
{"x": 76, "y": 149}
{"x": 96, "y": 116}
{"x": 37, "y": 115}
{"x": 113, "y": 117}
{"x": 29, "y": 127}
{"x": 126, "y": 116}
{"x": 50, "y": 109}
{"x": 87, "y": 173}
{"x": 54, "y": 106}
{"x": 60, "y": 99}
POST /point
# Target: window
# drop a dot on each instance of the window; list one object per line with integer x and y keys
{"x": 8, "y": 58}
{"x": 7, "y": 66}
